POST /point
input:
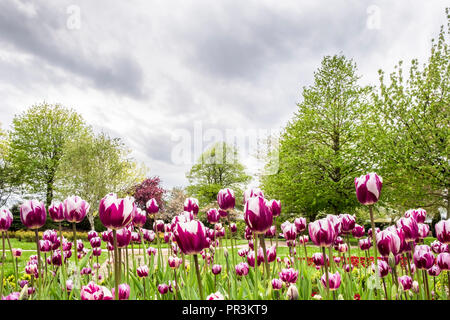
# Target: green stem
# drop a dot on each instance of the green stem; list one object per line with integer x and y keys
{"x": 374, "y": 244}
{"x": 263, "y": 245}
{"x": 326, "y": 271}
{"x": 39, "y": 261}
{"x": 116, "y": 269}
{"x": 3, "y": 263}
{"x": 255, "y": 245}
{"x": 199, "y": 280}
{"x": 75, "y": 245}
{"x": 16, "y": 273}
{"x": 63, "y": 266}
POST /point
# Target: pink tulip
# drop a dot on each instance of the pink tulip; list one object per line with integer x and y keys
{"x": 318, "y": 260}
{"x": 253, "y": 192}
{"x": 405, "y": 282}
{"x": 275, "y": 207}
{"x": 152, "y": 206}
{"x": 257, "y": 215}
{"x": 303, "y": 239}
{"x": 383, "y": 268}
{"x": 91, "y": 291}
{"x": 158, "y": 226}
{"x": 358, "y": 231}
{"x": 277, "y": 284}
{"x": 163, "y": 288}
{"x": 151, "y": 251}
{"x": 123, "y": 237}
{"x": 215, "y": 296}
{"x": 33, "y": 214}
{"x": 369, "y": 232}
{"x": 348, "y": 222}
{"x": 12, "y": 296}
{"x": 56, "y": 211}
{"x": 288, "y": 275}
{"x": 213, "y": 216}
{"x": 174, "y": 262}
{"x": 95, "y": 242}
{"x": 17, "y": 252}
{"x": 216, "y": 269}
{"x": 424, "y": 229}
{"x": 242, "y": 269}
{"x": 418, "y": 214}
{"x": 289, "y": 231}
{"x": 233, "y": 227}
{"x": 139, "y": 218}
{"x": 92, "y": 234}
{"x": 148, "y": 235}
{"x": 368, "y": 188}
{"x": 271, "y": 254}
{"x": 226, "y": 199}
{"x": 124, "y": 291}
{"x": 191, "y": 205}
{"x": 251, "y": 257}
{"x": 243, "y": 252}
{"x": 75, "y": 209}
{"x": 434, "y": 271}
{"x": 97, "y": 252}
{"x": 300, "y": 224}
{"x": 322, "y": 232}
{"x": 410, "y": 228}
{"x": 343, "y": 247}
{"x": 388, "y": 241}
{"x": 442, "y": 229}
{"x": 334, "y": 280}
{"x": 443, "y": 261}
{"x": 142, "y": 271}
{"x": 423, "y": 257}
{"x": 191, "y": 237}
{"x": 116, "y": 213}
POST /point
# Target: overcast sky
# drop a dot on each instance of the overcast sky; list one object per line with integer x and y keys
{"x": 147, "y": 70}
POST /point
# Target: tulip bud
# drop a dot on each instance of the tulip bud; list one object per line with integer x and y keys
{"x": 292, "y": 292}
{"x": 391, "y": 260}
{"x": 225, "y": 252}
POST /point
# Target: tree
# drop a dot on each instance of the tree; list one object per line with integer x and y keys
{"x": 319, "y": 154}
{"x": 408, "y": 129}
{"x": 217, "y": 168}
{"x": 95, "y": 165}
{"x": 37, "y": 140}
{"x": 8, "y": 179}
{"x": 174, "y": 204}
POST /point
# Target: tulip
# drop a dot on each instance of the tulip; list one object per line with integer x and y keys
{"x": 322, "y": 232}
{"x": 191, "y": 205}
{"x": 343, "y": 247}
{"x": 95, "y": 242}
{"x": 410, "y": 228}
{"x": 213, "y": 216}
{"x": 368, "y": 188}
{"x": 174, "y": 262}
{"x": 358, "y": 231}
{"x": 91, "y": 234}
{"x": 275, "y": 207}
{"x": 271, "y": 254}
{"x": 124, "y": 291}
{"x": 424, "y": 229}
{"x": 86, "y": 271}
{"x": 223, "y": 213}
{"x": 348, "y": 268}
{"x": 142, "y": 271}
{"x": 248, "y": 233}
{"x": 107, "y": 294}
{"x": 56, "y": 211}
{"x": 423, "y": 257}
{"x": 243, "y": 252}
{"x": 334, "y": 281}
{"x": 45, "y": 245}
{"x": 290, "y": 231}
{"x": 75, "y": 209}
{"x": 300, "y": 224}
{"x": 388, "y": 241}
{"x": 405, "y": 282}
{"x": 292, "y": 292}
{"x": 365, "y": 244}
{"x": 303, "y": 239}
{"x": 277, "y": 284}
{"x": 369, "y": 232}
{"x": 289, "y": 275}
{"x": 253, "y": 192}
{"x": 167, "y": 237}
{"x": 158, "y": 226}
{"x": 336, "y": 223}
{"x": 233, "y": 227}
{"x": 152, "y": 206}
{"x": 163, "y": 288}
{"x": 216, "y": 269}
{"x": 149, "y": 235}
{"x": 191, "y": 237}
{"x": 123, "y": 237}
{"x": 443, "y": 261}
{"x": 97, "y": 252}
{"x": 116, "y": 213}
{"x": 383, "y": 268}
{"x": 12, "y": 296}
{"x": 257, "y": 215}
{"x": 348, "y": 222}
{"x": 442, "y": 229}
{"x": 434, "y": 271}
{"x": 17, "y": 253}
{"x": 139, "y": 218}
{"x": 80, "y": 245}
{"x": 418, "y": 214}
{"x": 242, "y": 269}
{"x": 318, "y": 260}
{"x": 215, "y": 296}
{"x": 33, "y": 214}
{"x": 251, "y": 257}
{"x": 226, "y": 199}
{"x": 6, "y": 219}
{"x": 151, "y": 251}
{"x": 91, "y": 292}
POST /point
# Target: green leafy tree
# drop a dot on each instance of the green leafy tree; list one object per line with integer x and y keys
{"x": 408, "y": 130}
{"x": 217, "y": 168}
{"x": 37, "y": 140}
{"x": 8, "y": 178}
{"x": 94, "y": 166}
{"x": 318, "y": 152}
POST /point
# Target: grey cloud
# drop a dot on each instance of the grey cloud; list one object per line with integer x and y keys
{"x": 46, "y": 37}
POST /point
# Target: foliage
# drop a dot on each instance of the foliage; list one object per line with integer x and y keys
{"x": 319, "y": 154}
{"x": 93, "y": 166}
{"x": 407, "y": 131}
{"x": 174, "y": 203}
{"x": 217, "y": 168}
{"x": 37, "y": 140}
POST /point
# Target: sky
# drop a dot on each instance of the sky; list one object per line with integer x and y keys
{"x": 172, "y": 77}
